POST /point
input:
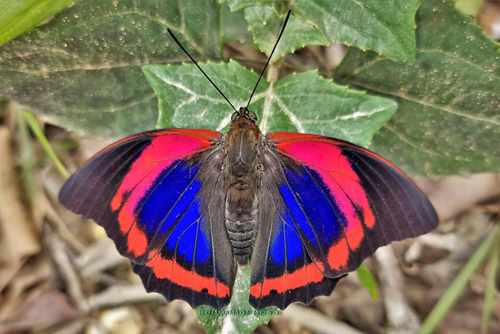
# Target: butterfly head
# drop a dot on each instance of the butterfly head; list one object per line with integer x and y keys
{"x": 244, "y": 113}
{"x": 243, "y": 123}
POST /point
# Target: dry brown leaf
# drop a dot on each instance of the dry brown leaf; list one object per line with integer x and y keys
{"x": 18, "y": 235}
{"x": 43, "y": 308}
{"x": 455, "y": 194}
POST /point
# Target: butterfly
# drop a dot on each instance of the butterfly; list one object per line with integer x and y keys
{"x": 190, "y": 206}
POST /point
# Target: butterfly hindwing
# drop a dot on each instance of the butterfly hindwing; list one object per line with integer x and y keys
{"x": 283, "y": 272}
{"x": 159, "y": 197}
{"x": 333, "y": 204}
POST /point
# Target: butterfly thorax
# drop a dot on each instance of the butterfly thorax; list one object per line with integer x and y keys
{"x": 243, "y": 168}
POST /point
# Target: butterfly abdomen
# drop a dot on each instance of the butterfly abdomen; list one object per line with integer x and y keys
{"x": 242, "y": 236}
{"x": 241, "y": 212}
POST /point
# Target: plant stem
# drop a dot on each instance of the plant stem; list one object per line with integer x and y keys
{"x": 45, "y": 144}
{"x": 457, "y": 286}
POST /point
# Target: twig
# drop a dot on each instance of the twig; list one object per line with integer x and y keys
{"x": 60, "y": 227}
{"x": 401, "y": 317}
{"x": 317, "y": 322}
{"x": 122, "y": 294}
{"x": 61, "y": 259}
{"x": 98, "y": 257}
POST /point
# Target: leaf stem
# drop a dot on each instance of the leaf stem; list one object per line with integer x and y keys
{"x": 37, "y": 131}
{"x": 366, "y": 278}
{"x": 489, "y": 294}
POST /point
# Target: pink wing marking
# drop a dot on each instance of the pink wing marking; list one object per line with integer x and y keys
{"x": 342, "y": 181}
{"x": 293, "y": 136}
{"x": 155, "y": 158}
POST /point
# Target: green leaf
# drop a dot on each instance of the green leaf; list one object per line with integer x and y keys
{"x": 265, "y": 24}
{"x": 366, "y": 278}
{"x": 385, "y": 26}
{"x": 448, "y": 102}
{"x": 308, "y": 103}
{"x": 298, "y": 103}
{"x": 235, "y": 27}
{"x": 235, "y": 5}
{"x": 188, "y": 100}
{"x": 469, "y": 7}
{"x": 457, "y": 286}
{"x": 238, "y": 316}
{"x": 17, "y": 17}
{"x": 82, "y": 70}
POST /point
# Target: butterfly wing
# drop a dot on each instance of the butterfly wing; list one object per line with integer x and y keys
{"x": 332, "y": 204}
{"x": 283, "y": 272}
{"x": 159, "y": 196}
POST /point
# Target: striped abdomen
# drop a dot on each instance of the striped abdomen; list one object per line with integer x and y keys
{"x": 242, "y": 236}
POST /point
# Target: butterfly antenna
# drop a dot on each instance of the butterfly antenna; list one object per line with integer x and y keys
{"x": 269, "y": 59}
{"x": 194, "y": 61}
